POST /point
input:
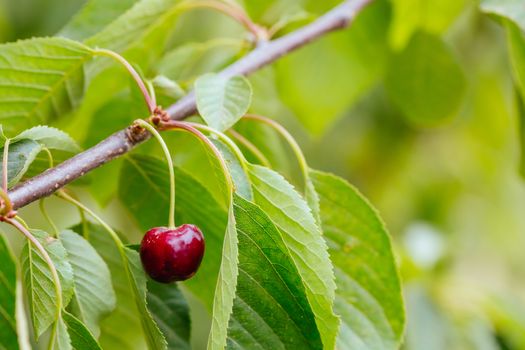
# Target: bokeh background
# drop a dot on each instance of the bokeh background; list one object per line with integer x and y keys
{"x": 414, "y": 105}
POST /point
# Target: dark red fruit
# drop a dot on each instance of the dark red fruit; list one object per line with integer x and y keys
{"x": 170, "y": 255}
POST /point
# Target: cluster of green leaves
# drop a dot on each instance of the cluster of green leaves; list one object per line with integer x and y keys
{"x": 284, "y": 268}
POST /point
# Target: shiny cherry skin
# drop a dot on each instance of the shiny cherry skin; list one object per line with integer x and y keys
{"x": 172, "y": 254}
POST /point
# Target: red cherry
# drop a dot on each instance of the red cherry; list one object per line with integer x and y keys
{"x": 170, "y": 255}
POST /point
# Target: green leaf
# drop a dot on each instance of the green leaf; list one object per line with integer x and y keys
{"x": 521, "y": 122}
{"x": 322, "y": 80}
{"x": 144, "y": 180}
{"x": 426, "y": 81}
{"x": 154, "y": 337}
{"x": 39, "y": 283}
{"x": 291, "y": 214}
{"x": 62, "y": 339}
{"x": 239, "y": 176}
{"x": 49, "y": 137}
{"x": 122, "y": 328}
{"x": 409, "y": 16}
{"x": 510, "y": 9}
{"x": 94, "y": 295}
{"x": 222, "y": 101}
{"x": 8, "y": 291}
{"x": 152, "y": 23}
{"x": 196, "y": 58}
{"x": 93, "y": 17}
{"x": 171, "y": 312}
{"x": 20, "y": 156}
{"x": 41, "y": 79}
{"x": 226, "y": 286}
{"x": 80, "y": 336}
{"x": 268, "y": 142}
{"x": 516, "y": 42}
{"x": 167, "y": 91}
{"x": 271, "y": 308}
{"x": 73, "y": 334}
{"x": 368, "y": 294}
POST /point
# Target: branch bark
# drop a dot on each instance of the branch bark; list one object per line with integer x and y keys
{"x": 125, "y": 140}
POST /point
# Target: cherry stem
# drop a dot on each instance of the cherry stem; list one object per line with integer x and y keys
{"x": 289, "y": 139}
{"x": 45, "y": 214}
{"x": 49, "y": 156}
{"x": 171, "y": 171}
{"x": 62, "y": 194}
{"x": 81, "y": 213}
{"x": 41, "y": 202}
{"x": 251, "y": 147}
{"x": 186, "y": 126}
{"x": 22, "y": 221}
{"x": 4, "y": 164}
{"x": 233, "y": 11}
{"x": 150, "y": 100}
{"x": 222, "y": 137}
{"x": 52, "y": 268}
{"x": 118, "y": 242}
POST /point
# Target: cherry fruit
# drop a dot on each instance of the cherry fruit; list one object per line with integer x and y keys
{"x": 172, "y": 254}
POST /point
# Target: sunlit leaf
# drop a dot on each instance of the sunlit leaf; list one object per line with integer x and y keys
{"x": 368, "y": 294}
{"x": 41, "y": 79}
{"x": 323, "y": 79}
{"x": 93, "y": 17}
{"x": 154, "y": 337}
{"x": 140, "y": 32}
{"x": 226, "y": 286}
{"x": 20, "y": 156}
{"x": 122, "y": 328}
{"x": 426, "y": 81}
{"x": 72, "y": 334}
{"x": 240, "y": 178}
{"x": 410, "y": 16}
{"x": 222, "y": 101}
{"x": 291, "y": 214}
{"x": 38, "y": 281}
{"x": 167, "y": 91}
{"x": 516, "y": 42}
{"x": 193, "y": 59}
{"x": 50, "y": 138}
{"x": 260, "y": 293}
{"x": 94, "y": 296}
{"x": 129, "y": 282}
{"x": 79, "y": 335}
{"x": 62, "y": 338}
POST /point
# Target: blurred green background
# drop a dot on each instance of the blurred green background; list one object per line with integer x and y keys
{"x": 414, "y": 105}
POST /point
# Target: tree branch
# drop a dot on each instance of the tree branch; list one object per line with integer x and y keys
{"x": 125, "y": 140}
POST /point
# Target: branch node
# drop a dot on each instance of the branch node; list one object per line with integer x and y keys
{"x": 136, "y": 133}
